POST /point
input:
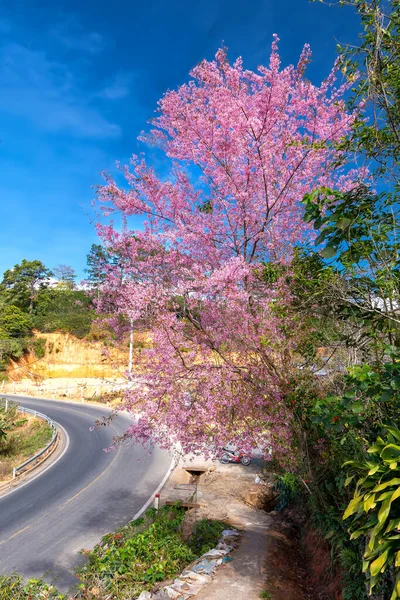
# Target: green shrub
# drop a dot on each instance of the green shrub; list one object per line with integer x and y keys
{"x": 20, "y": 440}
{"x": 206, "y": 536}
{"x": 375, "y": 510}
{"x": 15, "y": 322}
{"x": 144, "y": 552}
{"x": 13, "y": 348}
{"x": 77, "y": 324}
{"x": 328, "y": 431}
{"x": 39, "y": 347}
{"x": 289, "y": 489}
{"x": 14, "y": 587}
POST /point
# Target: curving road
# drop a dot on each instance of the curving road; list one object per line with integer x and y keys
{"x": 87, "y": 493}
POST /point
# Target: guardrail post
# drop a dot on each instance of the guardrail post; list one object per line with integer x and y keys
{"x": 14, "y": 472}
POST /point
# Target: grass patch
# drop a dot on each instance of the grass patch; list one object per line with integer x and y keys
{"x": 144, "y": 552}
{"x": 14, "y": 587}
{"x": 24, "y": 436}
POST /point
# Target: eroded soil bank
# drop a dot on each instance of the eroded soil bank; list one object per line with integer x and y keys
{"x": 299, "y": 560}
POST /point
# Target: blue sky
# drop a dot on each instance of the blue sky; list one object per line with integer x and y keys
{"x": 79, "y": 79}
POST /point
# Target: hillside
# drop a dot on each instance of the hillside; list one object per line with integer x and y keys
{"x": 71, "y": 366}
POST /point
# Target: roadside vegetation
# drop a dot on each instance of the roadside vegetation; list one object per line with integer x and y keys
{"x": 14, "y": 587}
{"x": 21, "y": 436}
{"x": 130, "y": 560}
{"x": 145, "y": 552}
{"x": 346, "y": 424}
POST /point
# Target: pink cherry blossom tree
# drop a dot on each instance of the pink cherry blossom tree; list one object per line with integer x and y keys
{"x": 241, "y": 149}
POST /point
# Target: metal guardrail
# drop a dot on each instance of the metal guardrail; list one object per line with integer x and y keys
{"x": 20, "y": 468}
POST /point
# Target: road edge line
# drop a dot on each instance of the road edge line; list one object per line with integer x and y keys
{"x": 172, "y": 466}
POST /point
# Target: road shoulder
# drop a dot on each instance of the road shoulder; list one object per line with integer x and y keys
{"x": 46, "y": 462}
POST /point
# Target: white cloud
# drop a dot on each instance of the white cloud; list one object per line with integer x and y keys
{"x": 118, "y": 88}
{"x": 71, "y": 35}
{"x": 45, "y": 92}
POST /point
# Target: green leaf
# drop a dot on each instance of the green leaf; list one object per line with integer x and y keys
{"x": 369, "y": 502}
{"x": 343, "y": 223}
{"x": 386, "y": 396}
{"x": 396, "y": 590}
{"x": 378, "y": 564}
{"x": 355, "y": 465}
{"x": 356, "y": 534}
{"x": 395, "y": 481}
{"x": 395, "y": 384}
{"x": 393, "y": 430}
{"x": 393, "y": 524}
{"x": 390, "y": 452}
{"x": 384, "y": 511}
{"x": 384, "y": 496}
{"x": 374, "y": 470}
{"x": 329, "y": 252}
{"x": 365, "y": 528}
{"x": 372, "y": 583}
{"x": 353, "y": 507}
{"x": 375, "y": 448}
{"x": 396, "y": 494}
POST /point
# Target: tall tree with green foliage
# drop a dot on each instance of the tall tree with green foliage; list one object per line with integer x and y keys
{"x": 22, "y": 284}
{"x": 358, "y": 231}
{"x": 96, "y": 260}
{"x": 14, "y": 322}
{"x": 360, "y": 228}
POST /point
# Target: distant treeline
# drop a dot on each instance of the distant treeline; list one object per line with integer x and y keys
{"x": 34, "y": 297}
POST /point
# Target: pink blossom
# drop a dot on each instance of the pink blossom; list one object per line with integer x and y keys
{"x": 244, "y": 147}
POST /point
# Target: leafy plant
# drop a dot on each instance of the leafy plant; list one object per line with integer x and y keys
{"x": 289, "y": 489}
{"x": 14, "y": 587}
{"x": 328, "y": 433}
{"x": 375, "y": 509}
{"x": 144, "y": 552}
{"x": 205, "y": 536}
{"x": 39, "y": 347}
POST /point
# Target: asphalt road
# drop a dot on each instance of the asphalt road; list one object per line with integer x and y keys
{"x": 86, "y": 494}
